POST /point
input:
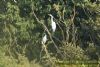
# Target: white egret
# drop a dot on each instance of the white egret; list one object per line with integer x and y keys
{"x": 53, "y": 24}
{"x": 44, "y": 39}
{"x": 15, "y": 1}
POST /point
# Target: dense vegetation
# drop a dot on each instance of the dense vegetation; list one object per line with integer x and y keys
{"x": 23, "y": 24}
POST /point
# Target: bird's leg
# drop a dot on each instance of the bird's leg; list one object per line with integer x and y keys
{"x": 44, "y": 47}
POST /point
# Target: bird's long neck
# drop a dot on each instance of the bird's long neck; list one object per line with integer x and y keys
{"x": 51, "y": 19}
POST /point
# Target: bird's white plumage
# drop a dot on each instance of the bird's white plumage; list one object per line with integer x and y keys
{"x": 53, "y": 24}
{"x": 44, "y": 39}
{"x": 15, "y": 1}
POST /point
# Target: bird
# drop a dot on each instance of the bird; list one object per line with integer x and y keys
{"x": 15, "y": 1}
{"x": 53, "y": 24}
{"x": 44, "y": 39}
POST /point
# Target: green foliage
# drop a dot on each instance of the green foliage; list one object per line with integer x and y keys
{"x": 73, "y": 53}
{"x": 22, "y": 24}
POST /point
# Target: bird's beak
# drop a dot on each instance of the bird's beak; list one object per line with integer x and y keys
{"x": 49, "y": 14}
